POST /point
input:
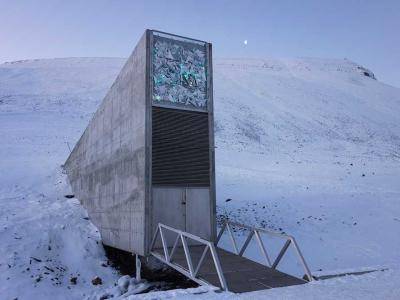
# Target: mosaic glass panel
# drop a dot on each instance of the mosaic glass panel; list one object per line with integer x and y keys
{"x": 179, "y": 73}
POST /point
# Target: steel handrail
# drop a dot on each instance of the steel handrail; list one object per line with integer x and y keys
{"x": 290, "y": 240}
{"x": 191, "y": 272}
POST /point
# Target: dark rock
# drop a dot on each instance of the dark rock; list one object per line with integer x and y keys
{"x": 50, "y": 269}
{"x": 97, "y": 281}
{"x": 36, "y": 259}
{"x": 73, "y": 280}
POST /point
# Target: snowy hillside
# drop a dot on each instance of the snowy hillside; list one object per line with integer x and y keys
{"x": 310, "y": 147}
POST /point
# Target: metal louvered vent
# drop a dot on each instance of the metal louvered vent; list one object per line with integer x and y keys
{"x": 180, "y": 148}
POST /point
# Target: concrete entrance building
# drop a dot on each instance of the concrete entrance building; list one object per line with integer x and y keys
{"x": 144, "y": 170}
{"x": 147, "y": 155}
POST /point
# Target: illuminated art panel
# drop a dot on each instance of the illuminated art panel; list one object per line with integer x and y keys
{"x": 179, "y": 72}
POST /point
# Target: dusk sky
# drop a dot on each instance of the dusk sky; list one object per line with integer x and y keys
{"x": 367, "y": 32}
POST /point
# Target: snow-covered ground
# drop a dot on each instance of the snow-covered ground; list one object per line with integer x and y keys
{"x": 310, "y": 147}
{"x": 382, "y": 285}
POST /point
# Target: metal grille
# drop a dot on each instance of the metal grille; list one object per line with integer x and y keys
{"x": 180, "y": 148}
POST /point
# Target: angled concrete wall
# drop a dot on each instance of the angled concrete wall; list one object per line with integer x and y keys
{"x": 107, "y": 166}
{"x": 111, "y": 167}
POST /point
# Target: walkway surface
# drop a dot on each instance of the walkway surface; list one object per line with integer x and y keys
{"x": 241, "y": 274}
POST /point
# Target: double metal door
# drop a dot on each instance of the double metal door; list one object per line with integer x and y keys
{"x": 187, "y": 209}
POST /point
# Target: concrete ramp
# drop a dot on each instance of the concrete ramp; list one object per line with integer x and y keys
{"x": 205, "y": 263}
{"x": 241, "y": 274}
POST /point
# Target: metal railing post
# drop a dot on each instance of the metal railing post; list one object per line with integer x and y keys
{"x": 187, "y": 254}
{"x": 164, "y": 244}
{"x": 262, "y": 247}
{"x": 203, "y": 255}
{"x": 281, "y": 253}
{"x": 246, "y": 243}
{"x": 303, "y": 261}
{"x": 232, "y": 238}
{"x": 218, "y": 267}
{"x": 220, "y": 233}
{"x": 174, "y": 247}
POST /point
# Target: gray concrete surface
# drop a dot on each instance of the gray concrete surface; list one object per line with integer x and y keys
{"x": 107, "y": 166}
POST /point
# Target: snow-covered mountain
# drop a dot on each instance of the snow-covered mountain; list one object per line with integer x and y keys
{"x": 306, "y": 146}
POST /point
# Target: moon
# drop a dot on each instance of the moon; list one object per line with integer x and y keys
{"x": 245, "y": 42}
